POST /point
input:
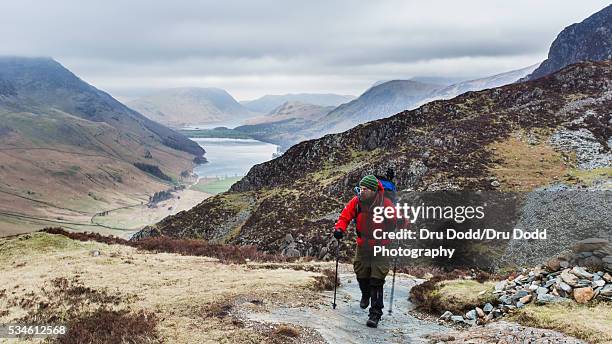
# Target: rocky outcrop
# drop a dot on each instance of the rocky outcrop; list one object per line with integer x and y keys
{"x": 541, "y": 285}
{"x": 590, "y": 40}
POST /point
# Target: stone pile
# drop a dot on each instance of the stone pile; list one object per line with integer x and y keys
{"x": 554, "y": 282}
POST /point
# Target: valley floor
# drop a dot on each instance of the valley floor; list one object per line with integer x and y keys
{"x": 123, "y": 220}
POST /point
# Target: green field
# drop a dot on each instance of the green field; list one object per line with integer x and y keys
{"x": 215, "y": 186}
{"x": 220, "y": 132}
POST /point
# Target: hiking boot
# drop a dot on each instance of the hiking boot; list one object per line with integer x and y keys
{"x": 373, "y": 321}
{"x": 365, "y": 301}
{"x": 376, "y": 294}
{"x": 364, "y": 286}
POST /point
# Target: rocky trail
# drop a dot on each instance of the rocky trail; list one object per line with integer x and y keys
{"x": 346, "y": 324}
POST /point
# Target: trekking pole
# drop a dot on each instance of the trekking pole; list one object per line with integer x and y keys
{"x": 336, "y": 278}
{"x": 392, "y": 286}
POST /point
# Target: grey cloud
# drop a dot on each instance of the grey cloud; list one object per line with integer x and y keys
{"x": 110, "y": 42}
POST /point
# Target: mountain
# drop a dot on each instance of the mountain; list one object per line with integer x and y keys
{"x": 180, "y": 107}
{"x": 292, "y": 109}
{"x": 479, "y": 84}
{"x": 285, "y": 123}
{"x": 65, "y": 142}
{"x": 268, "y": 103}
{"x": 377, "y": 102}
{"x": 439, "y": 80}
{"x": 589, "y": 40}
{"x": 517, "y": 137}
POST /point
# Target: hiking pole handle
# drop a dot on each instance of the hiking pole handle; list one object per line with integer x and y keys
{"x": 336, "y": 278}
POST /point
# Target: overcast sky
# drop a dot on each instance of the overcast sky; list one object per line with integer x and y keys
{"x": 252, "y": 48}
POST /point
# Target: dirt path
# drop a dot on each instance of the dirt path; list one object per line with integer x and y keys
{"x": 346, "y": 324}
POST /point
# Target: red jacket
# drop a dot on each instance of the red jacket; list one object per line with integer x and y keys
{"x": 365, "y": 218}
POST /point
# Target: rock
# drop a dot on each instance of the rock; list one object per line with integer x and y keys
{"x": 95, "y": 253}
{"x": 607, "y": 277}
{"x": 520, "y": 304}
{"x": 520, "y": 294}
{"x": 583, "y": 295}
{"x": 565, "y": 287}
{"x": 471, "y": 315}
{"x": 497, "y": 313}
{"x": 292, "y": 252}
{"x": 553, "y": 264}
{"x": 599, "y": 283}
{"x": 564, "y": 264}
{"x": 602, "y": 252}
{"x": 323, "y": 252}
{"x": 481, "y": 313}
{"x": 606, "y": 290}
{"x": 581, "y": 272}
{"x": 589, "y": 245}
{"x": 505, "y": 299}
{"x": 591, "y": 261}
{"x": 487, "y": 308}
{"x": 541, "y": 290}
{"x": 457, "y": 319}
{"x": 569, "y": 278}
{"x": 548, "y": 298}
{"x": 524, "y": 299}
{"x": 607, "y": 263}
{"x": 288, "y": 238}
{"x": 500, "y": 286}
{"x": 446, "y": 316}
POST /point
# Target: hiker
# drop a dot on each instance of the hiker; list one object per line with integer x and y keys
{"x": 370, "y": 270}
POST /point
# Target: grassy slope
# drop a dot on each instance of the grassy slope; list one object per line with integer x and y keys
{"x": 189, "y": 306}
{"x": 62, "y": 168}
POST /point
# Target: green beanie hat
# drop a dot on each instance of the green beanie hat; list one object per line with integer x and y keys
{"x": 369, "y": 182}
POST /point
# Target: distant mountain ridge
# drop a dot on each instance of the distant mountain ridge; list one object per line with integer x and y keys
{"x": 268, "y": 103}
{"x": 180, "y": 107}
{"x": 377, "y": 102}
{"x": 479, "y": 84}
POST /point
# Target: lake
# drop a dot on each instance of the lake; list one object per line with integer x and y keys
{"x": 232, "y": 157}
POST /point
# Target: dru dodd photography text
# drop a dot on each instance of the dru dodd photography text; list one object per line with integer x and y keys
{"x": 406, "y": 216}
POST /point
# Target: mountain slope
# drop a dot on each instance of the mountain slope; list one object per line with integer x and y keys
{"x": 283, "y": 125}
{"x": 460, "y": 143}
{"x": 479, "y": 84}
{"x": 181, "y": 107}
{"x": 589, "y": 40}
{"x": 69, "y": 150}
{"x": 377, "y": 102}
{"x": 268, "y": 103}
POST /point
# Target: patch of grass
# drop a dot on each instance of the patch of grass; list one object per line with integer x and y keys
{"x": 27, "y": 244}
{"x": 219, "y": 132}
{"x": 217, "y": 310}
{"x": 286, "y": 331}
{"x": 458, "y": 296}
{"x": 591, "y": 322}
{"x": 523, "y": 167}
{"x": 590, "y": 176}
{"x": 216, "y": 186}
{"x": 110, "y": 326}
{"x": 326, "y": 280}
